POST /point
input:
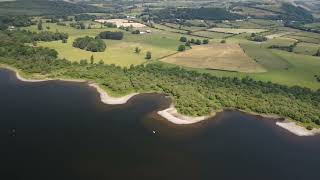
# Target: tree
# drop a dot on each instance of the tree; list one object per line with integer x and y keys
{"x": 82, "y": 25}
{"x": 223, "y": 41}
{"x": 192, "y": 41}
{"x": 137, "y": 50}
{"x": 183, "y": 39}
{"x": 148, "y": 55}
{"x": 101, "y": 62}
{"x": 136, "y": 31}
{"x": 188, "y": 44}
{"x": 317, "y": 53}
{"x": 40, "y": 25}
{"x": 205, "y": 41}
{"x": 182, "y": 48}
{"x": 64, "y": 40}
{"x": 91, "y": 59}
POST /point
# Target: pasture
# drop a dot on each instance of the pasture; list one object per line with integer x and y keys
{"x": 159, "y": 43}
{"x": 227, "y": 57}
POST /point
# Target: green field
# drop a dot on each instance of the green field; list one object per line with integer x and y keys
{"x": 160, "y": 43}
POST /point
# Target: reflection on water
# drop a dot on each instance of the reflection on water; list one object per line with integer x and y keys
{"x": 58, "y": 130}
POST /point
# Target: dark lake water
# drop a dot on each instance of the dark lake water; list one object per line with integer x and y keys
{"x": 64, "y": 132}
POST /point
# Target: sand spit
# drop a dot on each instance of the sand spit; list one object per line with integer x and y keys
{"x": 172, "y": 115}
{"x": 105, "y": 98}
{"x": 297, "y": 130}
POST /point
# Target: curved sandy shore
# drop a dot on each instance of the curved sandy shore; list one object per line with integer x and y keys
{"x": 172, "y": 115}
{"x": 105, "y": 98}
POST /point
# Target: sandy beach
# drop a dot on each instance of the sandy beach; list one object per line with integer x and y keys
{"x": 172, "y": 115}
{"x": 297, "y": 130}
{"x": 105, "y": 98}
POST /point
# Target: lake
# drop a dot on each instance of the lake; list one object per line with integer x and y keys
{"x": 60, "y": 130}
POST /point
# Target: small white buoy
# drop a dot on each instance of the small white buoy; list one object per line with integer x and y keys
{"x": 154, "y": 132}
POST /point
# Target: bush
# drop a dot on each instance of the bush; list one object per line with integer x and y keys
{"x": 111, "y": 35}
{"x": 135, "y": 32}
{"x": 148, "y": 55}
{"x": 90, "y": 44}
{"x": 309, "y": 128}
{"x": 182, "y": 48}
{"x": 205, "y": 41}
{"x": 183, "y": 39}
{"x": 198, "y": 42}
{"x": 223, "y": 41}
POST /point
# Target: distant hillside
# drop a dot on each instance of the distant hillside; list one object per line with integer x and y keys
{"x": 44, "y": 7}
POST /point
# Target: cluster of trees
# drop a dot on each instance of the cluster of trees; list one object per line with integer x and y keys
{"x": 90, "y": 44}
{"x": 84, "y": 17}
{"x": 29, "y": 37}
{"x": 17, "y": 21}
{"x": 118, "y": 35}
{"x": 78, "y": 25}
{"x": 193, "y": 41}
{"x": 49, "y": 36}
{"x": 257, "y": 37}
{"x": 194, "y": 93}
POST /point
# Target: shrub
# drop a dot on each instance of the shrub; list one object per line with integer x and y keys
{"x": 111, "y": 35}
{"x": 182, "y": 48}
{"x": 183, "y": 39}
{"x": 148, "y": 55}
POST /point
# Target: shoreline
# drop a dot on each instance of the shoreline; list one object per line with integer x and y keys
{"x": 105, "y": 98}
{"x": 296, "y": 129}
{"x": 171, "y": 114}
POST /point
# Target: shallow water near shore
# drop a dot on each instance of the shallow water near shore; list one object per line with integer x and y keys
{"x": 61, "y": 130}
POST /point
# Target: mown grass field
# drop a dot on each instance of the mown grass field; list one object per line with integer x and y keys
{"x": 228, "y": 57}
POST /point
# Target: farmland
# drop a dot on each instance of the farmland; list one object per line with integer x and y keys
{"x": 251, "y": 59}
{"x": 228, "y": 57}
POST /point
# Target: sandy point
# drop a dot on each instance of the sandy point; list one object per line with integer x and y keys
{"x": 105, "y": 98}
{"x": 172, "y": 115}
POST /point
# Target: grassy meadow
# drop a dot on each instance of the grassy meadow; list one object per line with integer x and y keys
{"x": 159, "y": 43}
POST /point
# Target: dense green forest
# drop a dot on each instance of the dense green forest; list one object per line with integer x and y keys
{"x": 194, "y": 93}
{"x": 90, "y": 44}
{"x": 193, "y": 13}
